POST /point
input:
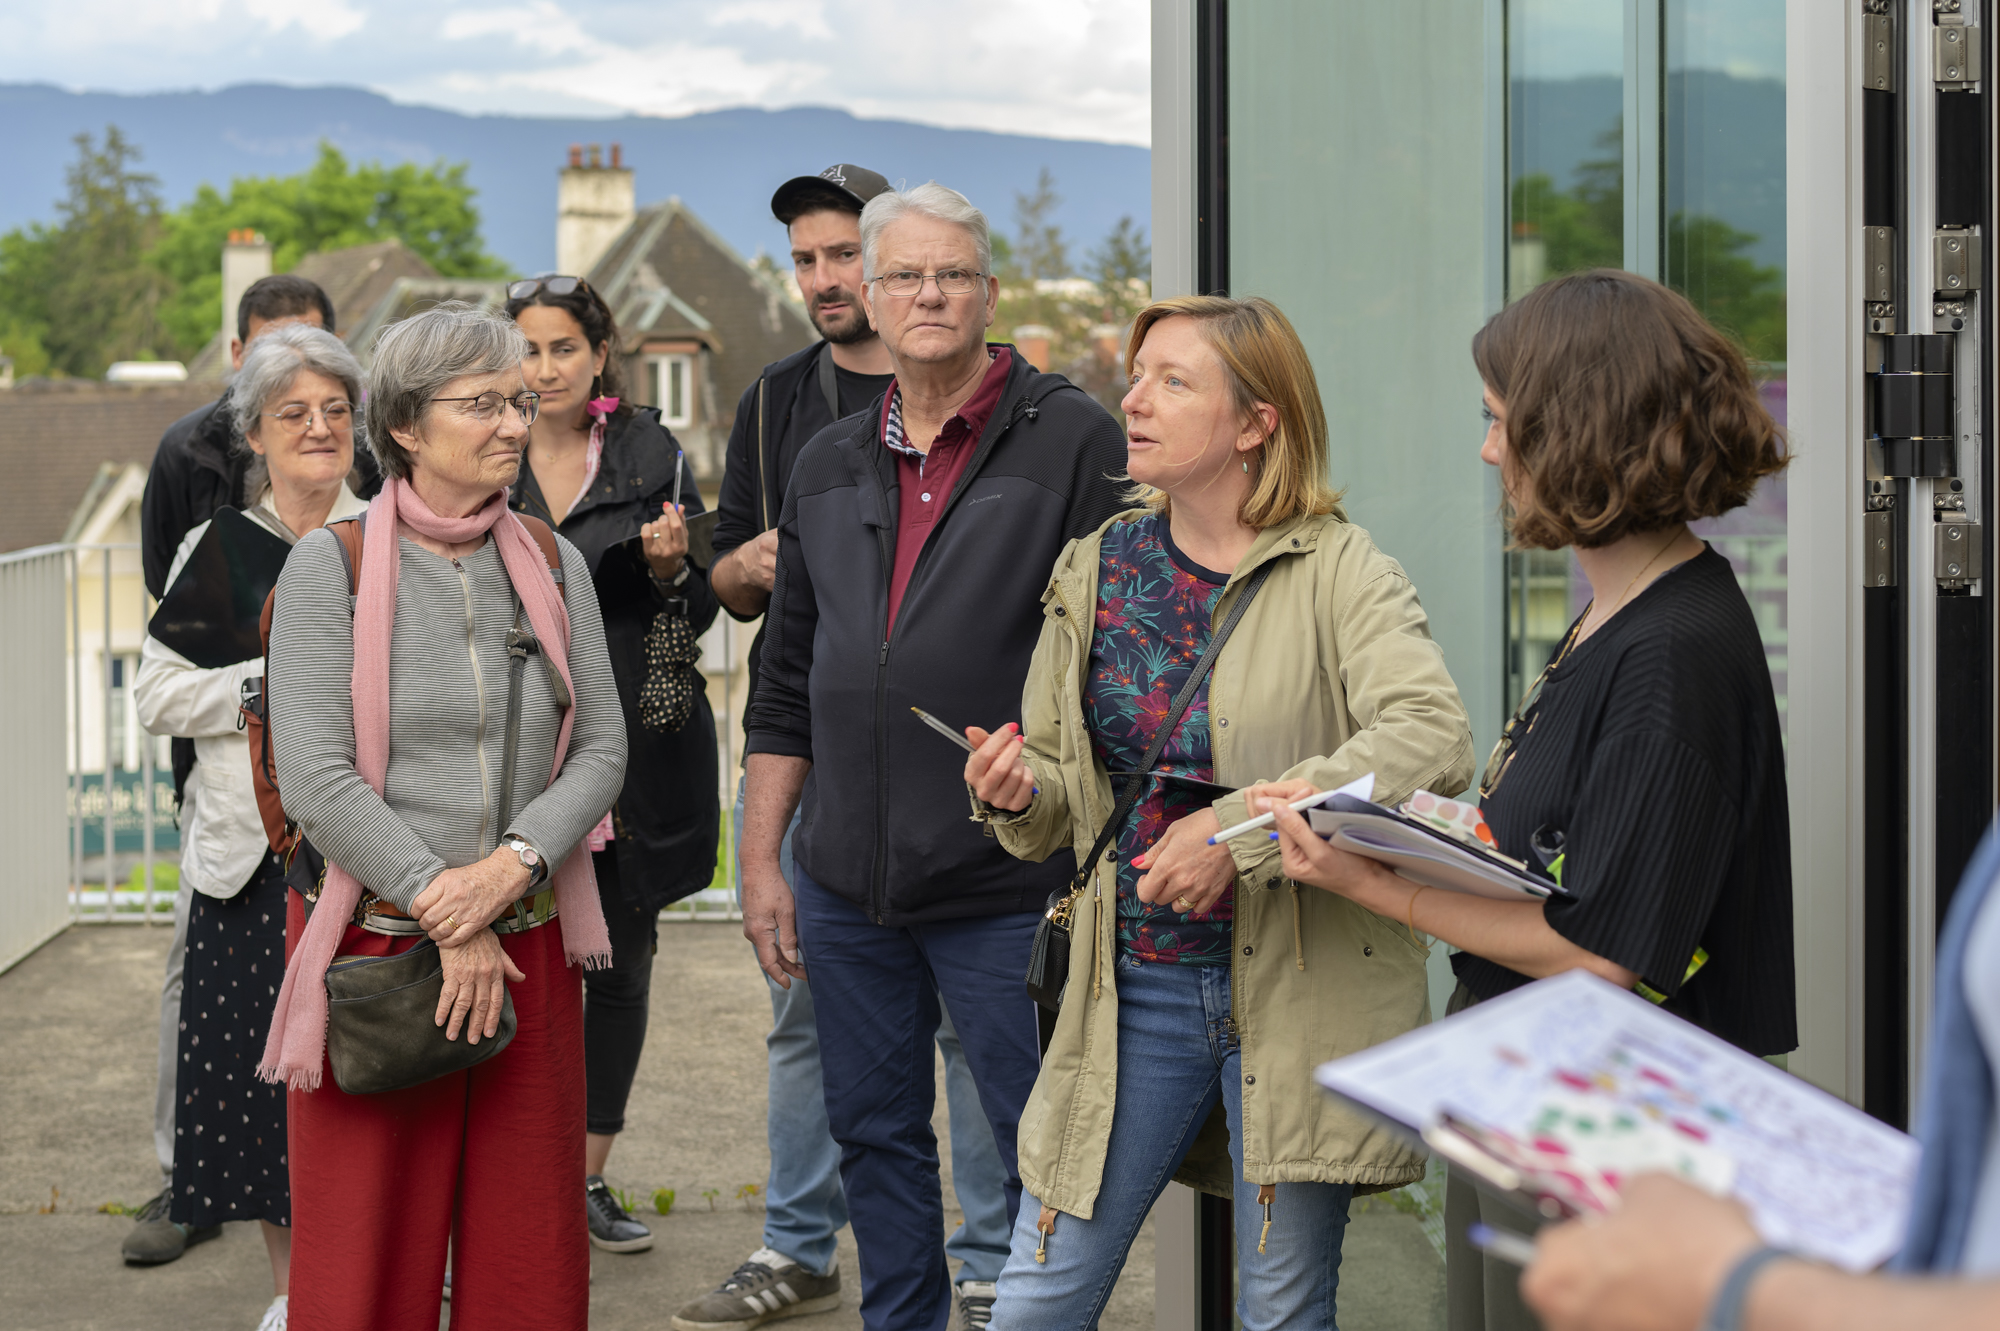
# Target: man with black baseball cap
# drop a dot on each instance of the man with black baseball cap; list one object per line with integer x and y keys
{"x": 844, "y": 373}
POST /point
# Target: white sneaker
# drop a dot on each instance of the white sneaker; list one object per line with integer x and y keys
{"x": 274, "y": 1316}
{"x": 972, "y": 1306}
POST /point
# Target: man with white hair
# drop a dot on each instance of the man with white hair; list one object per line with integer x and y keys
{"x": 913, "y": 549}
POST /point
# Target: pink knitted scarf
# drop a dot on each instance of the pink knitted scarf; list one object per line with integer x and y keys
{"x": 295, "y": 1049}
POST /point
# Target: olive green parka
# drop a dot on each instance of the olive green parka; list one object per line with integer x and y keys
{"x": 1331, "y": 674}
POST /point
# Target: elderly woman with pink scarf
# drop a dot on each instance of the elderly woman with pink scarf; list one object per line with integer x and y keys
{"x": 388, "y": 719}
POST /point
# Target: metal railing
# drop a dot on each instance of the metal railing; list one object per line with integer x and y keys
{"x": 80, "y": 796}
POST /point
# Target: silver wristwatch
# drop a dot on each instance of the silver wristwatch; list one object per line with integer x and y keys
{"x": 531, "y": 859}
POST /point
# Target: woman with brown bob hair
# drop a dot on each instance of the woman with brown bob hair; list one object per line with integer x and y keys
{"x": 1203, "y": 986}
{"x": 1643, "y": 771}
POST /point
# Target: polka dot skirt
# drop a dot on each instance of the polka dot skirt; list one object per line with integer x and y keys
{"x": 229, "y": 1127}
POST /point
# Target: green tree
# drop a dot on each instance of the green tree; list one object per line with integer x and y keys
{"x": 1122, "y": 268}
{"x": 81, "y": 294}
{"x": 1707, "y": 264}
{"x": 330, "y": 205}
{"x": 1039, "y": 250}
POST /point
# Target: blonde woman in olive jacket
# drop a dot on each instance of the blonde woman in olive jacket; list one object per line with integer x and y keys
{"x": 1204, "y": 987}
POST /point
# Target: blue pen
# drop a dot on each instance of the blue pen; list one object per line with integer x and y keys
{"x": 1516, "y": 1249}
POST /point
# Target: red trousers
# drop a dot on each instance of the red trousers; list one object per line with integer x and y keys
{"x": 489, "y": 1160}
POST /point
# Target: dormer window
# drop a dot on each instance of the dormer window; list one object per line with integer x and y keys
{"x": 671, "y": 380}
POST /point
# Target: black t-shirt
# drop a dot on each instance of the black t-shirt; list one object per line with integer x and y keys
{"x": 1654, "y": 750}
{"x": 858, "y": 390}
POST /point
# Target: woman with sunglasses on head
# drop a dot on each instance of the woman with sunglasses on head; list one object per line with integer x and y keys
{"x": 1644, "y": 771}
{"x": 601, "y": 471}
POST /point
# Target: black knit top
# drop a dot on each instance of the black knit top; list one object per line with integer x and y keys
{"x": 1654, "y": 752}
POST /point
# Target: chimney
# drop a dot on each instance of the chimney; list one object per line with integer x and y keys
{"x": 1033, "y": 341}
{"x": 246, "y": 257}
{"x": 594, "y": 204}
{"x": 1109, "y": 339}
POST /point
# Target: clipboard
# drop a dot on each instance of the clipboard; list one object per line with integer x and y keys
{"x": 1425, "y": 855}
{"x": 211, "y": 614}
{"x": 1551, "y": 1094}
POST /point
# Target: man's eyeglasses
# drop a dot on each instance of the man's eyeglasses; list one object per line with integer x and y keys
{"x": 553, "y": 284}
{"x": 950, "y": 282}
{"x": 296, "y": 419}
{"x": 487, "y": 407}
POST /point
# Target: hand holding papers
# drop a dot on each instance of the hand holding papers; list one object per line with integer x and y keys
{"x": 1567, "y": 1087}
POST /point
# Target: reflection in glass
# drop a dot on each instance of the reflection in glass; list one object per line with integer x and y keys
{"x": 1566, "y": 213}
{"x": 1725, "y": 243}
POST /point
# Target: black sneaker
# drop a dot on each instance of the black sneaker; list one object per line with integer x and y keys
{"x": 156, "y": 1240}
{"x": 972, "y": 1305}
{"x": 768, "y": 1286}
{"x": 611, "y": 1228}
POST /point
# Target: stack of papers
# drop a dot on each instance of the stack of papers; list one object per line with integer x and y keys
{"x": 1423, "y": 854}
{"x": 1570, "y": 1084}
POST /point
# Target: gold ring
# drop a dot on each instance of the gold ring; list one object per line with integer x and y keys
{"x": 452, "y": 920}
{"x": 1183, "y": 905}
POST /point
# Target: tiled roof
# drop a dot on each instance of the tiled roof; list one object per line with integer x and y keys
{"x": 712, "y": 294}
{"x": 355, "y": 279}
{"x": 54, "y": 437}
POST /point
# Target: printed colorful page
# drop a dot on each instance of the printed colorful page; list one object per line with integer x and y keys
{"x": 1577, "y": 1075}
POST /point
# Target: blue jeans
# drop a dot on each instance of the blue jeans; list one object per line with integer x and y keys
{"x": 804, "y": 1207}
{"x": 877, "y": 991}
{"x": 1177, "y": 1056}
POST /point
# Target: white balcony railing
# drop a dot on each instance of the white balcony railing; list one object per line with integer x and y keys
{"x": 86, "y": 812}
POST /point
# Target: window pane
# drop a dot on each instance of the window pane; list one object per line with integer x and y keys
{"x": 1565, "y": 213}
{"x": 1565, "y": 138}
{"x": 677, "y": 372}
{"x": 1725, "y": 242}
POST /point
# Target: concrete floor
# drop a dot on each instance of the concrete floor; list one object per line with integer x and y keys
{"x": 77, "y": 1030}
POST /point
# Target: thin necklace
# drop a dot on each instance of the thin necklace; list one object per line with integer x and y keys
{"x": 1619, "y": 604}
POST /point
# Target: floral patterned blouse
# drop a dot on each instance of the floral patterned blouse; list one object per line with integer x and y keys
{"x": 1153, "y": 613}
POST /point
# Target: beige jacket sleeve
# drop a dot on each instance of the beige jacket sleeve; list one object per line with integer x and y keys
{"x": 1407, "y": 723}
{"x": 1046, "y": 825}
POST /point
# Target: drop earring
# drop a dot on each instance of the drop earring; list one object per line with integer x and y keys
{"x": 1246, "y": 466}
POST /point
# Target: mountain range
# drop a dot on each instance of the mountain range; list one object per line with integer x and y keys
{"x": 722, "y": 164}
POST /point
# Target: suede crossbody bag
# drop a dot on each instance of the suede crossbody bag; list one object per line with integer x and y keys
{"x": 1048, "y": 955}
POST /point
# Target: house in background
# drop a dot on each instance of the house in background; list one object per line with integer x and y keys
{"x": 697, "y": 323}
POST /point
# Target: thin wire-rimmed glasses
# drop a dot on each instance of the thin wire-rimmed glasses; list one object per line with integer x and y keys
{"x": 297, "y": 419}
{"x": 554, "y": 283}
{"x": 487, "y": 407}
{"x": 905, "y": 283}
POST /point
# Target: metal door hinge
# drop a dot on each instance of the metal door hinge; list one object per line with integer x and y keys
{"x": 1958, "y": 559}
{"x": 1878, "y": 266}
{"x": 1955, "y": 61}
{"x": 1878, "y": 548}
{"x": 1955, "y": 260}
{"x": 1878, "y": 49}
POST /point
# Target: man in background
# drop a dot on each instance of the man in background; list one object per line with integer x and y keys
{"x": 794, "y": 399}
{"x": 913, "y": 547}
{"x": 196, "y": 470}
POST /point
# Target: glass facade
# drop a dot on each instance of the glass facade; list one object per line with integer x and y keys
{"x": 1711, "y": 79}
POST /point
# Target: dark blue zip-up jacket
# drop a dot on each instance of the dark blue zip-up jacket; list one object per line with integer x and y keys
{"x": 884, "y": 817}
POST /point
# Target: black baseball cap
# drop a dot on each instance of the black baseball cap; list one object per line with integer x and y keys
{"x": 840, "y": 184}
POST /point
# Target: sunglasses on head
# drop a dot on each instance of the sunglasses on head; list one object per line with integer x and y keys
{"x": 554, "y": 285}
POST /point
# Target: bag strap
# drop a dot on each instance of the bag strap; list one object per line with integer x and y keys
{"x": 1182, "y": 701}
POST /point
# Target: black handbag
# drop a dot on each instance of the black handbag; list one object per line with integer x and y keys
{"x": 381, "y": 1023}
{"x": 1048, "y": 955}
{"x": 381, "y": 1013}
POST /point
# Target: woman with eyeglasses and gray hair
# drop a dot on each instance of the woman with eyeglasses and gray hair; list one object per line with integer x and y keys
{"x": 294, "y": 415}
{"x": 390, "y": 722}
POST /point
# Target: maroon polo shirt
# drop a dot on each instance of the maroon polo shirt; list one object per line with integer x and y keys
{"x": 926, "y": 480}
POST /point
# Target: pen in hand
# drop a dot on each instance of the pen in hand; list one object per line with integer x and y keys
{"x": 1516, "y": 1249}
{"x": 953, "y": 735}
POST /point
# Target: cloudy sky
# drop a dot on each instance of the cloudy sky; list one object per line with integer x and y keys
{"x": 1068, "y": 68}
